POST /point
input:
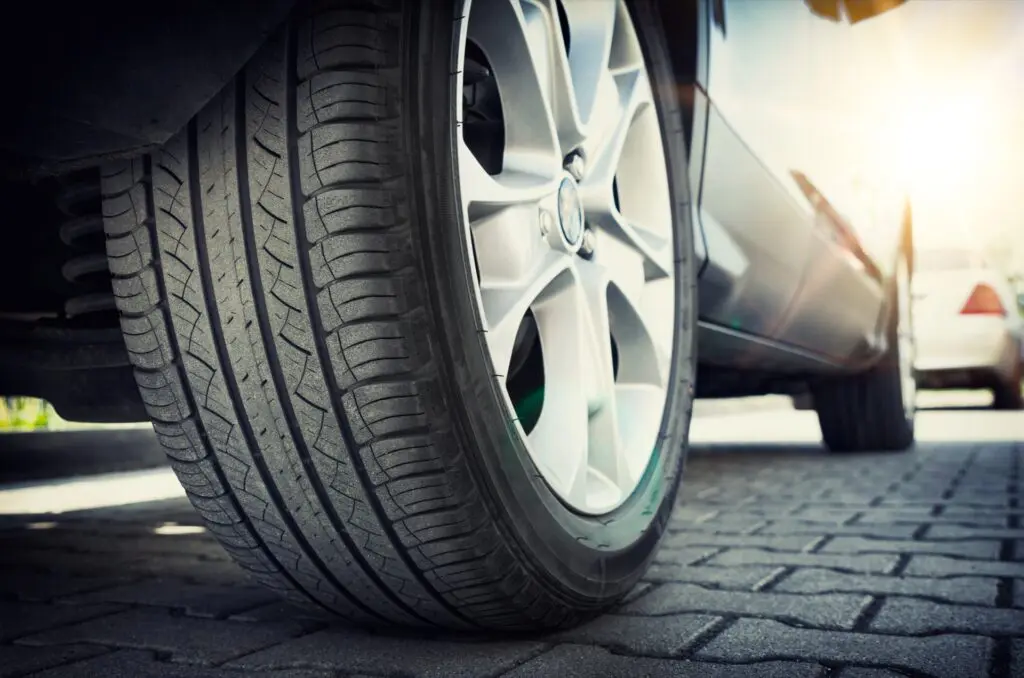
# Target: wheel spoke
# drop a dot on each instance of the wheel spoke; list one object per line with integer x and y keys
{"x": 606, "y": 450}
{"x": 516, "y": 39}
{"x": 561, "y": 437}
{"x": 639, "y": 412}
{"x": 642, "y": 322}
{"x": 656, "y": 252}
{"x": 591, "y": 32}
{"x": 506, "y": 301}
{"x": 624, "y": 97}
{"x": 482, "y": 193}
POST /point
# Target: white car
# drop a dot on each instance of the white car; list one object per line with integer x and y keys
{"x": 967, "y": 326}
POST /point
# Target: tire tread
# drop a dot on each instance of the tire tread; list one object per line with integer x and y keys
{"x": 263, "y": 261}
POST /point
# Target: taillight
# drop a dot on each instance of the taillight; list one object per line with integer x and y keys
{"x": 983, "y": 301}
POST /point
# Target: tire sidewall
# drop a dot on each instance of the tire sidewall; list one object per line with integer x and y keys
{"x": 586, "y": 558}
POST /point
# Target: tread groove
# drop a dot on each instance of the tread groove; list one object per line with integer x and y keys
{"x": 273, "y": 361}
{"x": 230, "y": 379}
{"x": 303, "y": 246}
{"x": 190, "y": 402}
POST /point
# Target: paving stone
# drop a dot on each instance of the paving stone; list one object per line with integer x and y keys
{"x": 127, "y": 564}
{"x": 584, "y": 661}
{"x": 861, "y": 672}
{"x": 773, "y": 542}
{"x": 195, "y": 599}
{"x": 186, "y": 639}
{"x": 879, "y": 531}
{"x": 818, "y": 513}
{"x": 975, "y": 548}
{"x": 140, "y": 664}
{"x": 975, "y": 516}
{"x": 104, "y": 541}
{"x": 968, "y": 590}
{"x": 874, "y": 563}
{"x": 740, "y": 577}
{"x": 941, "y": 566}
{"x": 905, "y": 616}
{"x": 952, "y": 656}
{"x": 684, "y": 556}
{"x": 890, "y": 515}
{"x": 665, "y": 636}
{"x": 639, "y": 591}
{"x": 20, "y": 619}
{"x": 350, "y": 651}
{"x": 19, "y": 660}
{"x": 276, "y": 611}
{"x": 972, "y": 532}
{"x": 33, "y": 585}
{"x": 828, "y": 611}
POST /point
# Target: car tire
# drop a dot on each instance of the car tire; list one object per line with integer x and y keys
{"x": 300, "y": 298}
{"x": 874, "y": 410}
{"x": 1007, "y": 395}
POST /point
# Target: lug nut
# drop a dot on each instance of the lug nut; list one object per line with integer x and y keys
{"x": 587, "y": 244}
{"x": 575, "y": 165}
{"x": 547, "y": 222}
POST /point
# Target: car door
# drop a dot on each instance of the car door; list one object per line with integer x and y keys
{"x": 776, "y": 152}
{"x": 756, "y": 222}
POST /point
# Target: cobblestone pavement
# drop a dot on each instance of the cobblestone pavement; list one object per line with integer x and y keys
{"x": 782, "y": 561}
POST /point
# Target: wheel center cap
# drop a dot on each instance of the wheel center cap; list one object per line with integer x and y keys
{"x": 570, "y": 212}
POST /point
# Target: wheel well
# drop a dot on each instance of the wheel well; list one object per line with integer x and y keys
{"x": 112, "y": 79}
{"x": 682, "y": 22}
{"x": 60, "y": 338}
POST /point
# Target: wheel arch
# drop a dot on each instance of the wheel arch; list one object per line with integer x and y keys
{"x": 110, "y": 79}
{"x": 686, "y": 21}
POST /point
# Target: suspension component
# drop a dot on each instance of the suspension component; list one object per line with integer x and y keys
{"x": 78, "y": 199}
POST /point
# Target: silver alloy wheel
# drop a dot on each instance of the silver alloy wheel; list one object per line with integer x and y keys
{"x": 905, "y": 339}
{"x": 578, "y": 143}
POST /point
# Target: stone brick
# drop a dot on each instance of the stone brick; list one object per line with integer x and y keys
{"x": 21, "y": 619}
{"x": 944, "y": 656}
{"x": 139, "y": 664}
{"x": 275, "y": 611}
{"x": 941, "y": 566}
{"x": 829, "y": 611}
{"x": 186, "y": 639}
{"x": 906, "y": 616}
{"x": 879, "y": 531}
{"x": 774, "y": 542}
{"x": 584, "y": 661}
{"x": 968, "y": 590}
{"x": 639, "y": 591}
{"x": 19, "y": 660}
{"x": 825, "y": 514}
{"x": 975, "y": 548}
{"x": 665, "y": 636}
{"x": 684, "y": 556}
{"x": 34, "y": 585}
{"x": 875, "y": 563}
{"x": 721, "y": 525}
{"x": 354, "y": 652}
{"x": 972, "y": 532}
{"x": 194, "y": 599}
{"x": 725, "y": 577}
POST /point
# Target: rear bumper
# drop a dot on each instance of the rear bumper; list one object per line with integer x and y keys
{"x": 965, "y": 343}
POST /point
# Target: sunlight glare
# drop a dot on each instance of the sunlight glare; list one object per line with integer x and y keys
{"x": 82, "y": 494}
